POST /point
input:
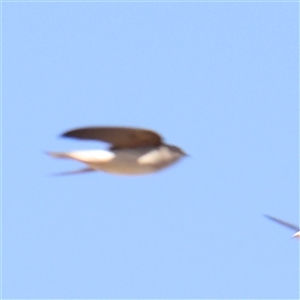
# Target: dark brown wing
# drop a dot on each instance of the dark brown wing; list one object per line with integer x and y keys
{"x": 286, "y": 224}
{"x": 119, "y": 137}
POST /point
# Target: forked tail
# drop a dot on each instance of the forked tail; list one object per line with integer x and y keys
{"x": 81, "y": 171}
{"x": 58, "y": 154}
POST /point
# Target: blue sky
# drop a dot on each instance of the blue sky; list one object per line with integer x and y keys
{"x": 219, "y": 80}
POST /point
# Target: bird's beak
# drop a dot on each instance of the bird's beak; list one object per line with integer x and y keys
{"x": 185, "y": 154}
{"x": 296, "y": 235}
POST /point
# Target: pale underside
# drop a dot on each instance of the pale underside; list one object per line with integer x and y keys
{"x": 124, "y": 161}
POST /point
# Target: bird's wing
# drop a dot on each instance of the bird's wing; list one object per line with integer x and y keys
{"x": 286, "y": 224}
{"x": 119, "y": 137}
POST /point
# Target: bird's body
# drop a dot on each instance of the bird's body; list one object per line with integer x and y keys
{"x": 133, "y": 151}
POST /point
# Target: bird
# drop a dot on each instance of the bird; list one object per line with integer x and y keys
{"x": 132, "y": 151}
{"x": 286, "y": 224}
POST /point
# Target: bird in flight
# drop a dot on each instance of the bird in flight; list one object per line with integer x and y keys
{"x": 133, "y": 151}
{"x": 286, "y": 224}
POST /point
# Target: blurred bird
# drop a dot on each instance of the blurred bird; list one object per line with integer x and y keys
{"x": 133, "y": 151}
{"x": 286, "y": 224}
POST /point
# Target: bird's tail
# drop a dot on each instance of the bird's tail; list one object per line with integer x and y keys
{"x": 59, "y": 154}
{"x": 81, "y": 171}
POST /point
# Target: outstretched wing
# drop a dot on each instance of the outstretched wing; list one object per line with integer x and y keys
{"x": 118, "y": 137}
{"x": 286, "y": 224}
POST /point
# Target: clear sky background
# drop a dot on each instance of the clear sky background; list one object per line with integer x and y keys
{"x": 219, "y": 80}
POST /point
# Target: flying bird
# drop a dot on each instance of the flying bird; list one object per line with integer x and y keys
{"x": 132, "y": 151}
{"x": 286, "y": 224}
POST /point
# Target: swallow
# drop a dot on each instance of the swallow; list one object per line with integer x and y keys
{"x": 132, "y": 151}
{"x": 286, "y": 224}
